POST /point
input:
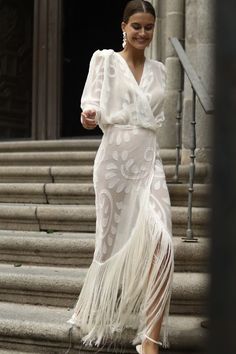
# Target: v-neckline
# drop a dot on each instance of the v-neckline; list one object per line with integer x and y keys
{"x": 127, "y": 65}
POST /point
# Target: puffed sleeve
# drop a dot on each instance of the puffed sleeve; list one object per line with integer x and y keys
{"x": 90, "y": 98}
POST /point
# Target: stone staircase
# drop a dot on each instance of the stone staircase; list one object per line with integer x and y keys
{"x": 47, "y": 224}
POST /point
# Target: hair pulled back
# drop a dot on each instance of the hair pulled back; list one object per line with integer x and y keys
{"x": 134, "y": 6}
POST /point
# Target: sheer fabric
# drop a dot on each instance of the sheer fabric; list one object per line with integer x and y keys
{"x": 129, "y": 282}
{"x": 113, "y": 92}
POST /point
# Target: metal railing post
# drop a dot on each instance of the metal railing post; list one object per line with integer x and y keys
{"x": 178, "y": 136}
{"x": 189, "y": 233}
{"x": 198, "y": 91}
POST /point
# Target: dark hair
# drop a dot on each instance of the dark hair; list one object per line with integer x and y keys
{"x": 134, "y": 6}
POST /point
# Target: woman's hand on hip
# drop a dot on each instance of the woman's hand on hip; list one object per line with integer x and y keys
{"x": 88, "y": 119}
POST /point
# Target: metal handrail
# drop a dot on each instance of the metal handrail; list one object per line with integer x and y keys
{"x": 195, "y": 81}
{"x": 198, "y": 90}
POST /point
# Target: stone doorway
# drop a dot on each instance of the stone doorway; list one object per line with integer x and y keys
{"x": 95, "y": 25}
{"x": 16, "y": 49}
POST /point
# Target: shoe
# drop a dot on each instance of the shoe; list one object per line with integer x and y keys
{"x": 139, "y": 347}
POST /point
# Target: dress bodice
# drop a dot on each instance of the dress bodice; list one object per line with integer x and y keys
{"x": 112, "y": 90}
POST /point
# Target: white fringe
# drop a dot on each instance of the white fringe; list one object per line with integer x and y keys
{"x": 121, "y": 290}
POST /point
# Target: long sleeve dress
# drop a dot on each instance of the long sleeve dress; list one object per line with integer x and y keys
{"x": 129, "y": 282}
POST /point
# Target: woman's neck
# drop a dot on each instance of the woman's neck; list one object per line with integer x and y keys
{"x": 133, "y": 56}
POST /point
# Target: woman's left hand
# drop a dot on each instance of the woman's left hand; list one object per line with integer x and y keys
{"x": 88, "y": 119}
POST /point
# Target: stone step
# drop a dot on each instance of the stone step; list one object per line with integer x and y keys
{"x": 55, "y": 286}
{"x": 64, "y": 158}
{"x": 81, "y": 218}
{"x": 47, "y": 158}
{"x": 10, "y": 351}
{"x": 43, "y": 329}
{"x": 76, "y": 250}
{"x": 6, "y": 351}
{"x": 78, "y": 174}
{"x": 130, "y": 350}
{"x": 65, "y": 249}
{"x": 81, "y": 144}
{"x": 83, "y": 193}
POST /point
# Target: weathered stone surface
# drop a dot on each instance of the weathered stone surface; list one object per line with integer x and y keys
{"x": 81, "y": 218}
{"x": 62, "y": 174}
{"x": 206, "y": 21}
{"x": 83, "y": 193}
{"x": 174, "y": 74}
{"x": 45, "y": 328}
{"x": 25, "y": 174}
{"x": 47, "y": 269}
{"x": 22, "y": 193}
{"x": 42, "y": 248}
{"x": 18, "y": 217}
{"x": 77, "y": 174}
{"x": 76, "y": 250}
{"x": 51, "y": 145}
{"x": 199, "y": 46}
{"x": 167, "y": 134}
{"x": 61, "y": 287}
{"x": 175, "y": 6}
{"x": 191, "y": 257}
{"x": 47, "y": 158}
{"x": 71, "y": 193}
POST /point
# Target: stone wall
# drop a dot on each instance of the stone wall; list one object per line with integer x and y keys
{"x": 199, "y": 45}
{"x": 191, "y": 21}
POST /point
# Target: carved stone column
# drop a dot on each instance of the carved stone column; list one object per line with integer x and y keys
{"x": 199, "y": 45}
{"x": 169, "y": 22}
{"x": 46, "y": 110}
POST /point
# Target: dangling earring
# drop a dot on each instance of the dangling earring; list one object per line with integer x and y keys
{"x": 124, "y": 39}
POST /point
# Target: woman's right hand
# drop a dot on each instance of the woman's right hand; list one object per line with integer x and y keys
{"x": 88, "y": 119}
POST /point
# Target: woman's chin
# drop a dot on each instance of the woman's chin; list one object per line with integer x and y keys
{"x": 141, "y": 45}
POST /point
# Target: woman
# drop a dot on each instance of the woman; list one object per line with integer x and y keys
{"x": 128, "y": 284}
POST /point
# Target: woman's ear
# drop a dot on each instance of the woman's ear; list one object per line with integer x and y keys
{"x": 123, "y": 24}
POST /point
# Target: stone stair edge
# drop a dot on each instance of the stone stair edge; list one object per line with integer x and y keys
{"x": 77, "y": 249}
{"x": 82, "y": 218}
{"x": 87, "y": 211}
{"x": 69, "y": 280}
{"x": 37, "y": 215}
{"x": 45, "y": 323}
{"x": 37, "y": 145}
{"x": 57, "y": 158}
{"x": 60, "y": 207}
{"x": 69, "y": 174}
{"x": 11, "y": 351}
{"x": 83, "y": 193}
{"x": 76, "y": 241}
{"x": 83, "y": 187}
{"x": 61, "y": 287}
{"x": 165, "y": 152}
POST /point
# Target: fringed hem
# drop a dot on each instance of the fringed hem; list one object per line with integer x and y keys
{"x": 132, "y": 289}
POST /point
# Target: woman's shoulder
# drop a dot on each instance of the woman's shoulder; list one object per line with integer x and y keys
{"x": 102, "y": 53}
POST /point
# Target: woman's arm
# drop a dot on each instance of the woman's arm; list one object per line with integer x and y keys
{"x": 90, "y": 100}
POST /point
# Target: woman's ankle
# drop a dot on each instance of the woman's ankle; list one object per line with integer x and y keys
{"x": 150, "y": 348}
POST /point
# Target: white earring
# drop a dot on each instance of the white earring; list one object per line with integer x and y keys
{"x": 124, "y": 39}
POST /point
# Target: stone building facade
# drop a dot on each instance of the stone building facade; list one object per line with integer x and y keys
{"x": 192, "y": 22}
{"x": 45, "y": 49}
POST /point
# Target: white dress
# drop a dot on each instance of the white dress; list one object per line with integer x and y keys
{"x": 129, "y": 282}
